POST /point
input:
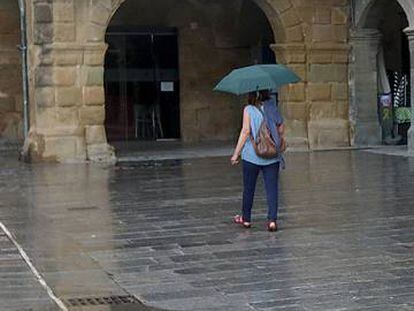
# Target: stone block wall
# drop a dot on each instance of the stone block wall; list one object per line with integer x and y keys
{"x": 292, "y": 99}
{"x": 316, "y": 109}
{"x": 11, "y": 131}
{"x": 207, "y": 115}
{"x": 328, "y": 123}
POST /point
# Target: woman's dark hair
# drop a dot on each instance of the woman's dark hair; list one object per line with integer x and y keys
{"x": 256, "y": 98}
{"x": 252, "y": 98}
{"x": 264, "y": 95}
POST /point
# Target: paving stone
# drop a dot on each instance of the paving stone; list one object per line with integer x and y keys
{"x": 162, "y": 231}
{"x": 180, "y": 294}
{"x": 19, "y": 289}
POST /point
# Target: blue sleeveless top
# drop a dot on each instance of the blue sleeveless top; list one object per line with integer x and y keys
{"x": 256, "y": 118}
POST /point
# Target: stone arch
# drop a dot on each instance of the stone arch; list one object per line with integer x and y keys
{"x": 282, "y": 15}
{"x": 366, "y": 41}
{"x": 361, "y": 16}
{"x": 408, "y": 7}
{"x": 284, "y": 20}
{"x": 227, "y": 39}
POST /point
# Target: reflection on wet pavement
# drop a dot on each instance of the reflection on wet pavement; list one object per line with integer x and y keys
{"x": 17, "y": 283}
{"x": 162, "y": 231}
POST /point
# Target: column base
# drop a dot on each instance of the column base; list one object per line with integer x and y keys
{"x": 367, "y": 133}
{"x": 97, "y": 148}
{"x": 102, "y": 153}
{"x": 41, "y": 147}
{"x": 65, "y": 149}
{"x": 410, "y": 140}
{"x": 328, "y": 133}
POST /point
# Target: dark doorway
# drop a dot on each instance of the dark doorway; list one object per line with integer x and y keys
{"x": 11, "y": 116}
{"x": 142, "y": 84}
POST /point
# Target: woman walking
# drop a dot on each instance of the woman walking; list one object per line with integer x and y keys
{"x": 260, "y": 106}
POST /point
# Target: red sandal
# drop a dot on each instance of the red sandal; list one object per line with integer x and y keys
{"x": 271, "y": 226}
{"x": 239, "y": 220}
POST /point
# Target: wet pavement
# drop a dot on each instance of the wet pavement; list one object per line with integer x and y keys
{"x": 18, "y": 286}
{"x": 133, "y": 151}
{"x": 161, "y": 231}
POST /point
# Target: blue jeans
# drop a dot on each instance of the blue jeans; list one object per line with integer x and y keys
{"x": 271, "y": 181}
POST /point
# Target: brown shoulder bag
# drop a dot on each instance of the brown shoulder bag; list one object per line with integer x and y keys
{"x": 264, "y": 146}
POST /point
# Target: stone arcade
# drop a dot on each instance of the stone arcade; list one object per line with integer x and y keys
{"x": 322, "y": 40}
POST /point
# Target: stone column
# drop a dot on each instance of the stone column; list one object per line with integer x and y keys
{"x": 70, "y": 105}
{"x": 316, "y": 108}
{"x": 68, "y": 102}
{"x": 92, "y": 112}
{"x": 292, "y": 98}
{"x": 410, "y": 34}
{"x": 364, "y": 87}
{"x": 327, "y": 95}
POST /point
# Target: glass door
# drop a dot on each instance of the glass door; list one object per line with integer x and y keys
{"x": 142, "y": 84}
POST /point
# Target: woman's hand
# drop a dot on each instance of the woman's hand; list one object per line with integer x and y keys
{"x": 244, "y": 135}
{"x": 234, "y": 159}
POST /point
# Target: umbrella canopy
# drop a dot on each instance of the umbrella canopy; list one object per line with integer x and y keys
{"x": 255, "y": 78}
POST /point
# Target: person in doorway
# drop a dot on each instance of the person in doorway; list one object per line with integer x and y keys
{"x": 260, "y": 105}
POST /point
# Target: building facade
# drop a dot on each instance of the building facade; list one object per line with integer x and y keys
{"x": 86, "y": 89}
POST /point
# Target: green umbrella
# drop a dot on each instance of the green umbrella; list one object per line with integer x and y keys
{"x": 255, "y": 78}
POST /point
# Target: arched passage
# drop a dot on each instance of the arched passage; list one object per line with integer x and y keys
{"x": 11, "y": 129}
{"x": 286, "y": 23}
{"x": 364, "y": 9}
{"x": 381, "y": 74}
{"x": 164, "y": 58}
{"x": 282, "y": 16}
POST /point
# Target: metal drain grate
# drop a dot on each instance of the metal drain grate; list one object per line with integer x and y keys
{"x": 96, "y": 301}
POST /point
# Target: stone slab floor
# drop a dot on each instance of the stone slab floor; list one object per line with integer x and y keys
{"x": 162, "y": 231}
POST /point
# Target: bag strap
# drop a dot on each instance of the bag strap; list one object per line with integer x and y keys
{"x": 263, "y": 113}
{"x": 260, "y": 110}
{"x": 251, "y": 134}
{"x": 264, "y": 119}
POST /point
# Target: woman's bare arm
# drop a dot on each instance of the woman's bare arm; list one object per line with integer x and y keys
{"x": 244, "y": 135}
